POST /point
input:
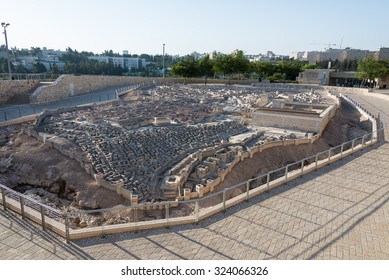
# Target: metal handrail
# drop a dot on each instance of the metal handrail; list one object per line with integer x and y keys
{"x": 25, "y": 197}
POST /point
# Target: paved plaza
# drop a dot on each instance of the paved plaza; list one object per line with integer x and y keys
{"x": 338, "y": 212}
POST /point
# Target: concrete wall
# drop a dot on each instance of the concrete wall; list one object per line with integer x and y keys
{"x": 8, "y": 89}
{"x": 70, "y": 85}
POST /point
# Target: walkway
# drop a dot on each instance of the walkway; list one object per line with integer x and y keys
{"x": 338, "y": 212}
{"x": 9, "y": 112}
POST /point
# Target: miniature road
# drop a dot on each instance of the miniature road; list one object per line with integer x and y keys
{"x": 338, "y": 212}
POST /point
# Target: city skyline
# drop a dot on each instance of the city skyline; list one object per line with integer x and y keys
{"x": 144, "y": 26}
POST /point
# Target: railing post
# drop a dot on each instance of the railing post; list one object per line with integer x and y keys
{"x": 248, "y": 189}
{"x": 329, "y": 155}
{"x": 43, "y": 218}
{"x": 286, "y": 173}
{"x": 352, "y": 145}
{"x": 5, "y": 115}
{"x": 3, "y": 199}
{"x": 363, "y": 141}
{"x": 302, "y": 167}
{"x": 167, "y": 215}
{"x": 224, "y": 200}
{"x": 341, "y": 150}
{"x": 67, "y": 235}
{"x": 135, "y": 219}
{"x": 268, "y": 181}
{"x": 197, "y": 210}
{"x": 316, "y": 160}
{"x": 21, "y": 199}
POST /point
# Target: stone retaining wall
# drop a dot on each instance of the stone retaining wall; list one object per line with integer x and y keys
{"x": 8, "y": 89}
{"x": 70, "y": 85}
{"x": 201, "y": 190}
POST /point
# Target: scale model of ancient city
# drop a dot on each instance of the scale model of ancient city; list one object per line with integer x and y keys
{"x": 166, "y": 142}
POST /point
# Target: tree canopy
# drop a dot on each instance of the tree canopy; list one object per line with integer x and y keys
{"x": 372, "y": 69}
{"x": 186, "y": 68}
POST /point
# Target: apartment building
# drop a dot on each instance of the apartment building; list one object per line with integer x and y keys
{"x": 124, "y": 62}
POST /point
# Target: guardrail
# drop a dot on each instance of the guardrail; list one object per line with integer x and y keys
{"x": 155, "y": 215}
{"x": 127, "y": 89}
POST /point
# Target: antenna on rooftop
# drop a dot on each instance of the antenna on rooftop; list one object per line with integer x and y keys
{"x": 341, "y": 43}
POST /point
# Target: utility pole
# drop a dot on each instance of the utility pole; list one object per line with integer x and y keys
{"x": 163, "y": 61}
{"x": 5, "y": 25}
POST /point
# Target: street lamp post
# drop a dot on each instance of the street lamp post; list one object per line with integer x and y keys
{"x": 5, "y": 25}
{"x": 163, "y": 62}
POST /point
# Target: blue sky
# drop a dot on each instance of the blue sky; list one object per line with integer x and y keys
{"x": 143, "y": 26}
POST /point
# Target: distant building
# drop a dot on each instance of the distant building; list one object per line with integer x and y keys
{"x": 197, "y": 55}
{"x": 124, "y": 62}
{"x": 315, "y": 76}
{"x": 269, "y": 56}
{"x": 299, "y": 55}
{"x": 52, "y": 53}
{"x": 48, "y": 61}
{"x": 330, "y": 77}
{"x": 382, "y": 54}
{"x": 338, "y": 54}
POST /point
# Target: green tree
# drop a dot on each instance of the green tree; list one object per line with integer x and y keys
{"x": 36, "y": 51}
{"x": 38, "y": 68}
{"x": 21, "y": 69}
{"x": 54, "y": 69}
{"x": 371, "y": 69}
{"x": 289, "y": 68}
{"x": 224, "y": 64}
{"x": 309, "y": 66}
{"x": 264, "y": 69}
{"x": 241, "y": 65}
{"x": 205, "y": 68}
{"x": 186, "y": 68}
